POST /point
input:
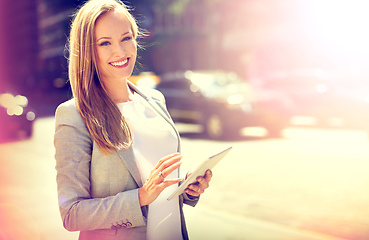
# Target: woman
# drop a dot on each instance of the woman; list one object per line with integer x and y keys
{"x": 117, "y": 150}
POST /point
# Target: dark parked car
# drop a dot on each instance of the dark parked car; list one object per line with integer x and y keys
{"x": 221, "y": 102}
{"x": 16, "y": 118}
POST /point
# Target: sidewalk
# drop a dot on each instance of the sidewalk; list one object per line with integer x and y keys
{"x": 28, "y": 195}
{"x": 204, "y": 223}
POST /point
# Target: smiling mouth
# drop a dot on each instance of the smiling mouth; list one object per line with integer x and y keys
{"x": 119, "y": 63}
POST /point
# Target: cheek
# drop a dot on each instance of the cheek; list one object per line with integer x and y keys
{"x": 102, "y": 57}
{"x": 101, "y": 54}
{"x": 133, "y": 48}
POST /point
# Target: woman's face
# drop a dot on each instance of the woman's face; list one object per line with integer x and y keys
{"x": 115, "y": 46}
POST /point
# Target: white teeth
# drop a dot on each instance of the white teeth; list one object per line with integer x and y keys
{"x": 117, "y": 64}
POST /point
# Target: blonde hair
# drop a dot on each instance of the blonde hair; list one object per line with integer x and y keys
{"x": 106, "y": 124}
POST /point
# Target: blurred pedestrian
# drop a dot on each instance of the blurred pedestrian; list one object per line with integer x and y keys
{"x": 117, "y": 149}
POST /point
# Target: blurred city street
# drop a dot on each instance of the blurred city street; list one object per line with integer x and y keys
{"x": 309, "y": 185}
{"x": 224, "y": 64}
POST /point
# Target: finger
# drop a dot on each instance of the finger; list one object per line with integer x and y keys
{"x": 208, "y": 175}
{"x": 192, "y": 193}
{"x": 166, "y": 158}
{"x": 164, "y": 163}
{"x": 169, "y": 182}
{"x": 168, "y": 170}
{"x": 170, "y": 162}
{"x": 161, "y": 177}
{"x": 197, "y": 188}
{"x": 194, "y": 190}
{"x": 202, "y": 182}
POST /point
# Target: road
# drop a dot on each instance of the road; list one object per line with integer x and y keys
{"x": 309, "y": 185}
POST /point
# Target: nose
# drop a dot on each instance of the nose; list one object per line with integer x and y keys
{"x": 119, "y": 50}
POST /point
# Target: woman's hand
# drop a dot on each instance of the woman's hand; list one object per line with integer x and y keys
{"x": 157, "y": 181}
{"x": 195, "y": 189}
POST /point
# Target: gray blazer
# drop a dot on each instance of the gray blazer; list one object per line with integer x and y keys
{"x": 97, "y": 193}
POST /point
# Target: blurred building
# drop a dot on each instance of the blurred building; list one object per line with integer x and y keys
{"x": 180, "y": 39}
{"x": 250, "y": 37}
{"x": 237, "y": 35}
{"x": 54, "y": 21}
{"x": 246, "y": 36}
{"x": 19, "y": 45}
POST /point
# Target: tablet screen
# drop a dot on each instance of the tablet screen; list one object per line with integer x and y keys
{"x": 200, "y": 171}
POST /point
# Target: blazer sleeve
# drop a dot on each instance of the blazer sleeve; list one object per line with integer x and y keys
{"x": 79, "y": 211}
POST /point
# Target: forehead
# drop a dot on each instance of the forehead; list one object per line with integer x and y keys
{"x": 112, "y": 24}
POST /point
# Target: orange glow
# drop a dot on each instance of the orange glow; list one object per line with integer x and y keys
{"x": 146, "y": 79}
{"x": 16, "y": 223}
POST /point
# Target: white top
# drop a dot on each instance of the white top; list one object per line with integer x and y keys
{"x": 154, "y": 139}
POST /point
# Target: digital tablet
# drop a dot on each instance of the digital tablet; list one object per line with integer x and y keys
{"x": 200, "y": 171}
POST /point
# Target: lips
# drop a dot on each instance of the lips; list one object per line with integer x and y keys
{"x": 122, "y": 63}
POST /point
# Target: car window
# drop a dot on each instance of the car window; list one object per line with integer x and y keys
{"x": 218, "y": 84}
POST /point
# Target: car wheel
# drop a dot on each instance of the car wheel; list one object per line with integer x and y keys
{"x": 275, "y": 129}
{"x": 216, "y": 127}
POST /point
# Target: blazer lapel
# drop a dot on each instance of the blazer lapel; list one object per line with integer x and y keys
{"x": 128, "y": 158}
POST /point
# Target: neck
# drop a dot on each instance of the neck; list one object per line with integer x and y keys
{"x": 119, "y": 91}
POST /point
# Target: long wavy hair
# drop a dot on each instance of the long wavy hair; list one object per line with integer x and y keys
{"x": 107, "y": 126}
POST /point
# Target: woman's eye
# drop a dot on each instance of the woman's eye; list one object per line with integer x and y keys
{"x": 126, "y": 38}
{"x": 104, "y": 44}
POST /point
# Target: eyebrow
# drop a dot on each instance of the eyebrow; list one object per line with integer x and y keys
{"x": 103, "y": 38}
{"x": 110, "y": 37}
